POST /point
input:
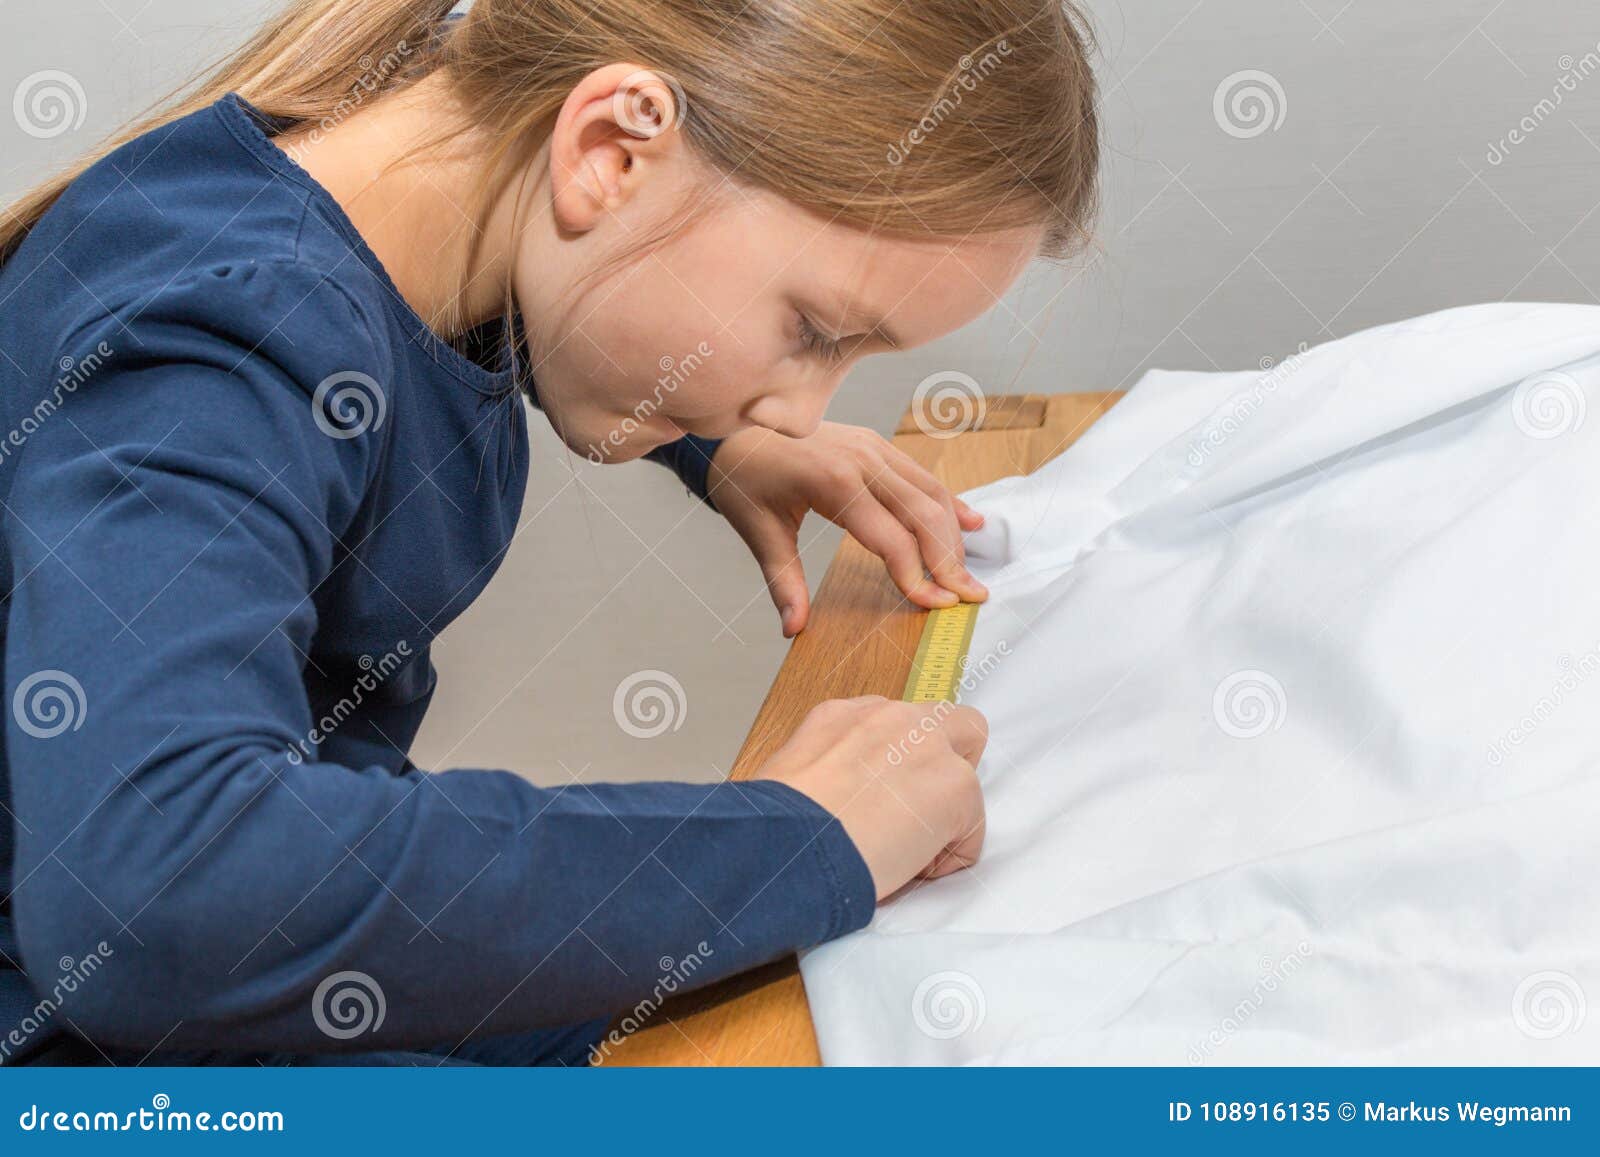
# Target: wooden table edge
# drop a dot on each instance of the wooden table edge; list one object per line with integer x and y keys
{"x": 860, "y": 640}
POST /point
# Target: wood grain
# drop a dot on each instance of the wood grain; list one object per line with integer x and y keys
{"x": 860, "y": 641}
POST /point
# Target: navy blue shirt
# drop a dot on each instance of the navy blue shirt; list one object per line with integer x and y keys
{"x": 243, "y": 488}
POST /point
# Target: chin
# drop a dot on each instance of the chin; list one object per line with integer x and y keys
{"x": 623, "y": 442}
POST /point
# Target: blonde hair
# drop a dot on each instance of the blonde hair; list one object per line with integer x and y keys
{"x": 942, "y": 117}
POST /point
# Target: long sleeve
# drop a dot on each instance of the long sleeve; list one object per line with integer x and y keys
{"x": 170, "y": 531}
{"x": 690, "y": 458}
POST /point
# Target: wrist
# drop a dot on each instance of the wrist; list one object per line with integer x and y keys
{"x": 730, "y": 454}
{"x": 716, "y": 475}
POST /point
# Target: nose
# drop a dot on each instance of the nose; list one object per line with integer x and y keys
{"x": 796, "y": 411}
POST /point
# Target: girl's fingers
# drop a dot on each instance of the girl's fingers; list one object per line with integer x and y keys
{"x": 966, "y": 517}
{"x": 962, "y": 854}
{"x": 937, "y": 530}
{"x": 967, "y": 731}
{"x": 924, "y": 480}
{"x": 777, "y": 549}
{"x": 912, "y": 469}
{"x": 882, "y": 532}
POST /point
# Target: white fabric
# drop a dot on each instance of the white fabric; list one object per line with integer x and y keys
{"x": 1294, "y": 685}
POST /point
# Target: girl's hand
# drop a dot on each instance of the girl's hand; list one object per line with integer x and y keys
{"x": 900, "y": 777}
{"x": 764, "y": 483}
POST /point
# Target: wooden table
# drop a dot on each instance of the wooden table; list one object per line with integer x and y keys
{"x": 860, "y": 640}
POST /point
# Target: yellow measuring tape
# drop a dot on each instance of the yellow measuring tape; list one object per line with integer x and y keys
{"x": 941, "y": 657}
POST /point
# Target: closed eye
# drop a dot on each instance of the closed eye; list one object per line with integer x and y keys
{"x": 817, "y": 343}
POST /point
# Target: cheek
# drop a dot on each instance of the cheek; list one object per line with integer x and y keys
{"x": 720, "y": 378}
{"x": 700, "y": 349}
{"x": 643, "y": 327}
{"x": 603, "y": 351}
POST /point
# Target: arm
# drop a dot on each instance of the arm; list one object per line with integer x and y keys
{"x": 167, "y": 529}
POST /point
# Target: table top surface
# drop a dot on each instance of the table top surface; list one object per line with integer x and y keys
{"x": 860, "y": 641}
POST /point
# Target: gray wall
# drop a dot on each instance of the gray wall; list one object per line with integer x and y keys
{"x": 1373, "y": 197}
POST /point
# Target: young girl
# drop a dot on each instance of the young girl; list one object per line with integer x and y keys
{"x": 262, "y": 368}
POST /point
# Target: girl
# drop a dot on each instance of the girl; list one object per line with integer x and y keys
{"x": 263, "y": 358}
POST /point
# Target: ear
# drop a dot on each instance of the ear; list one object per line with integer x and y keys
{"x": 615, "y": 130}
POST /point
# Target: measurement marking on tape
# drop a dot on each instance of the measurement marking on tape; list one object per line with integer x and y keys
{"x": 941, "y": 654}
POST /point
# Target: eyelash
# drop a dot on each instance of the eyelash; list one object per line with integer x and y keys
{"x": 816, "y": 343}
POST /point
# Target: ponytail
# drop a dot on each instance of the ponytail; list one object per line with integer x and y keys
{"x": 313, "y": 62}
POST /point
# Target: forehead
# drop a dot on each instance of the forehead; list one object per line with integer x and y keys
{"x": 919, "y": 287}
